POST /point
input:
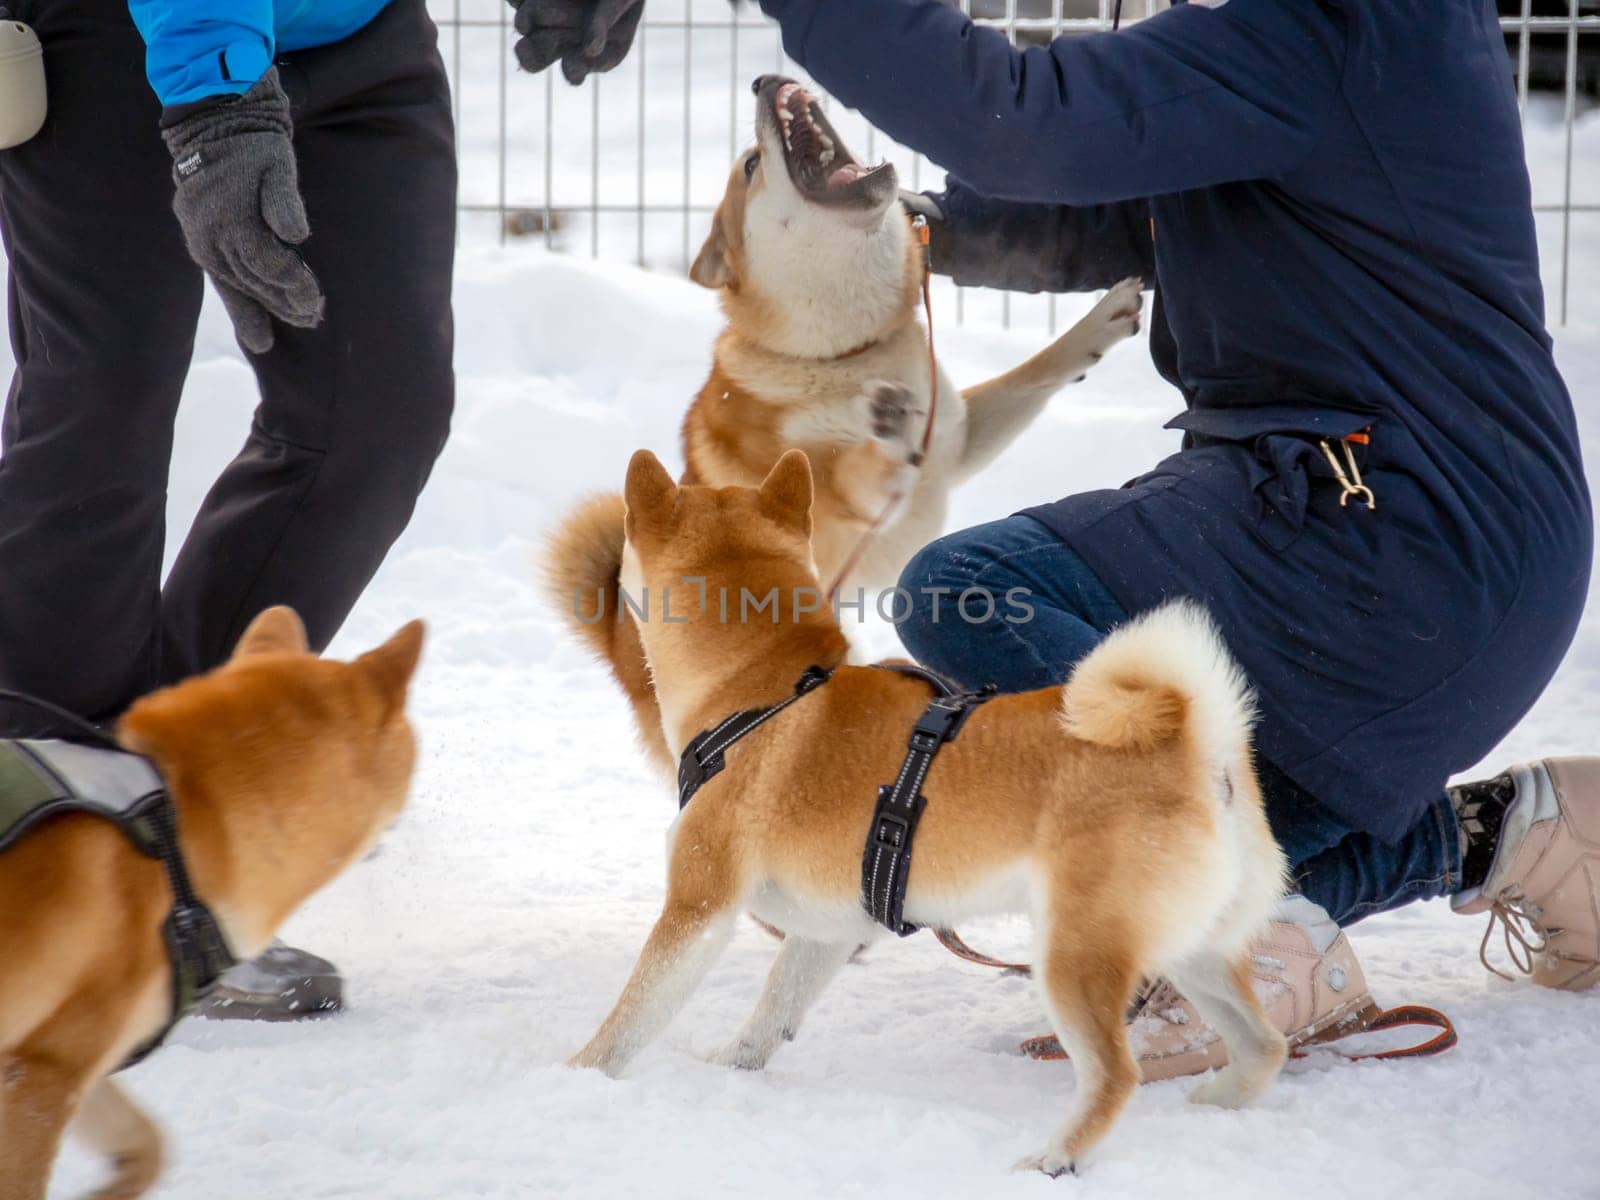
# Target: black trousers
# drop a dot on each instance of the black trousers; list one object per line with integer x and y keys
{"x": 103, "y": 302}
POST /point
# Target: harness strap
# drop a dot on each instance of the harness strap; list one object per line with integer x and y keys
{"x": 702, "y": 759}
{"x": 196, "y": 948}
{"x": 886, "y": 859}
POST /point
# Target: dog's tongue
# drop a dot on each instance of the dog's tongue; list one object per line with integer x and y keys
{"x": 848, "y": 173}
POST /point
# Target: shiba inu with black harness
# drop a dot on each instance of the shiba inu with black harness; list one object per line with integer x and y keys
{"x": 1121, "y": 811}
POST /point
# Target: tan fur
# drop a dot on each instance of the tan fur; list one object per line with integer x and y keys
{"x": 1108, "y": 824}
{"x": 583, "y": 564}
{"x": 823, "y": 312}
{"x": 284, "y": 768}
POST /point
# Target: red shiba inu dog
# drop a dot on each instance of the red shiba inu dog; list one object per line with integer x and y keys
{"x": 1121, "y": 811}
{"x": 282, "y": 768}
{"x": 820, "y": 278}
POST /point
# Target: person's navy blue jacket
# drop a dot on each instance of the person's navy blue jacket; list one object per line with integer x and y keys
{"x": 1332, "y": 198}
{"x": 203, "y": 48}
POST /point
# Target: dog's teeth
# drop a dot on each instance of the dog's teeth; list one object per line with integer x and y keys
{"x": 825, "y": 157}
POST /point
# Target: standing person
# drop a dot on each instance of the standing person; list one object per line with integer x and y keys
{"x": 1380, "y": 495}
{"x": 300, "y": 155}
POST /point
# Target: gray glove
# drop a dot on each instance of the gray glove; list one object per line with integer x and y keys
{"x": 586, "y": 35}
{"x": 238, "y": 201}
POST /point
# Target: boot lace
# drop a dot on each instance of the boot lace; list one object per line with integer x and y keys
{"x": 1158, "y": 998}
{"x": 1524, "y": 935}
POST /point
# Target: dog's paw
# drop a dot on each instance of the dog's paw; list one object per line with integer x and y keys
{"x": 592, "y": 1059}
{"x": 1115, "y": 318}
{"x": 1051, "y": 1162}
{"x": 1236, "y": 1085}
{"x": 1224, "y": 1089}
{"x": 742, "y": 1055}
{"x": 133, "y": 1176}
{"x": 890, "y": 406}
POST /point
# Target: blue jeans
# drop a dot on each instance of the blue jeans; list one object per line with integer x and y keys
{"x": 1350, "y": 873}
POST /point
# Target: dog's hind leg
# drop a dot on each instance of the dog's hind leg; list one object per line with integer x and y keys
{"x": 686, "y": 940}
{"x": 704, "y": 896}
{"x": 113, "y": 1125}
{"x": 37, "y": 1096}
{"x": 799, "y": 974}
{"x": 1221, "y": 992}
{"x": 1087, "y": 986}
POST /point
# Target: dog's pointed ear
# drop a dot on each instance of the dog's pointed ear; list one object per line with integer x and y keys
{"x": 392, "y": 665}
{"x": 710, "y": 269}
{"x": 276, "y": 630}
{"x": 649, "y": 489}
{"x": 786, "y": 491}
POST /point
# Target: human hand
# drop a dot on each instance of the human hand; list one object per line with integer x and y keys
{"x": 586, "y": 35}
{"x": 238, "y": 202}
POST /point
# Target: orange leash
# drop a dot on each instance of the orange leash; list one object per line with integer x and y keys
{"x": 1047, "y": 1049}
{"x": 953, "y": 942}
{"x": 920, "y": 224}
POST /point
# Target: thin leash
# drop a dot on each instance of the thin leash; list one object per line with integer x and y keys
{"x": 920, "y": 224}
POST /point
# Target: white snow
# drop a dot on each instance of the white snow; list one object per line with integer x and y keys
{"x": 492, "y": 933}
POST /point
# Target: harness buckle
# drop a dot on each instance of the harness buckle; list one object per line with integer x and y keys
{"x": 891, "y": 832}
{"x": 937, "y": 722}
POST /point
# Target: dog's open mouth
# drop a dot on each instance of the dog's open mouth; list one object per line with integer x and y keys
{"x": 818, "y": 163}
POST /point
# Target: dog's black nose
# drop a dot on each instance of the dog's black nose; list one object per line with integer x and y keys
{"x": 761, "y": 81}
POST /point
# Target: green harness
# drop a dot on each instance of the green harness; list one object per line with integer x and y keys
{"x": 43, "y": 778}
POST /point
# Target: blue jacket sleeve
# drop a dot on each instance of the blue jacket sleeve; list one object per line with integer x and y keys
{"x": 983, "y": 242}
{"x": 1198, "y": 95}
{"x": 201, "y": 48}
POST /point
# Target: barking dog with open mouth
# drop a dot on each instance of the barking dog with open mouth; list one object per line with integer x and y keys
{"x": 282, "y": 768}
{"x": 1120, "y": 810}
{"x": 820, "y": 277}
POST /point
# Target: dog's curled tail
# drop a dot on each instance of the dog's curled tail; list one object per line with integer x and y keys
{"x": 1159, "y": 676}
{"x": 582, "y": 574}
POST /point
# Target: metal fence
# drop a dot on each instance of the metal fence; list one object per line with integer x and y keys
{"x": 630, "y": 165}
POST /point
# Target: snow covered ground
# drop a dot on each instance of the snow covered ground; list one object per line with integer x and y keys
{"x": 492, "y": 933}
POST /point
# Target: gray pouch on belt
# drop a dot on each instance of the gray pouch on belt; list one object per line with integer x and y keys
{"x": 22, "y": 103}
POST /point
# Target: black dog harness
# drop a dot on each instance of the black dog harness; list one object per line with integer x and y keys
{"x": 44, "y": 778}
{"x": 886, "y": 859}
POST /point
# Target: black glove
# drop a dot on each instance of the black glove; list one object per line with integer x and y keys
{"x": 586, "y": 35}
{"x": 238, "y": 201}
{"x": 921, "y": 204}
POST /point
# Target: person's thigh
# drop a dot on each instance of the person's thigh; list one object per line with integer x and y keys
{"x": 1006, "y": 603}
{"x": 1019, "y": 562}
{"x": 355, "y": 411}
{"x": 102, "y": 302}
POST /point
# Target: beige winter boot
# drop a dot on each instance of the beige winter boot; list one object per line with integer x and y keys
{"x": 1306, "y": 977}
{"x": 1309, "y": 982}
{"x": 1543, "y": 886}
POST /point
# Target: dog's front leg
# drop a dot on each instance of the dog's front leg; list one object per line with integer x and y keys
{"x": 685, "y": 942}
{"x": 112, "y": 1124}
{"x": 37, "y": 1096}
{"x": 1000, "y": 409}
{"x": 799, "y": 974}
